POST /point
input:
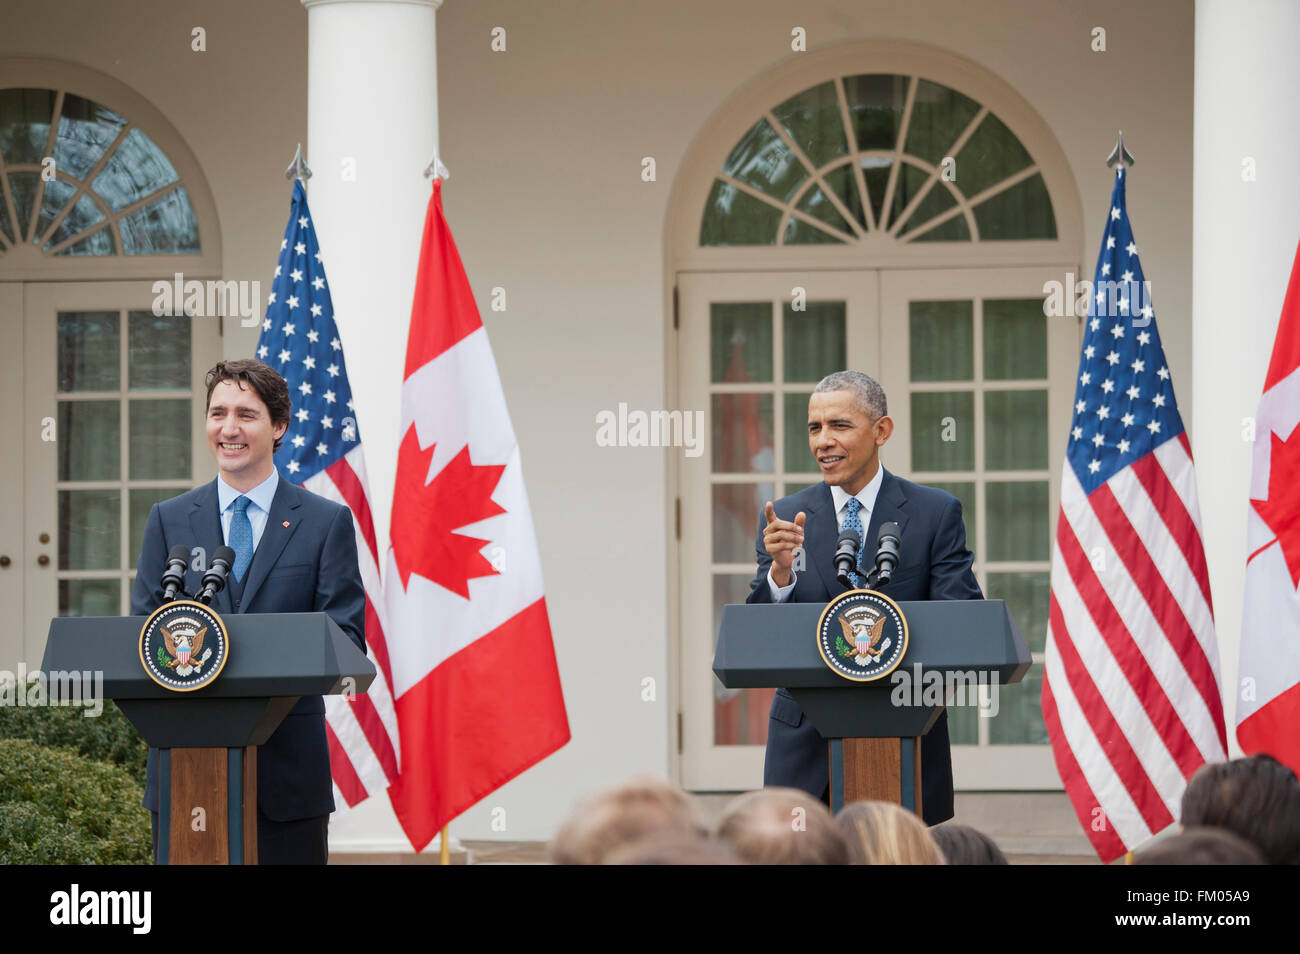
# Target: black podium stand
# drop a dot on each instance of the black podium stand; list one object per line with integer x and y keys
{"x": 207, "y": 738}
{"x": 874, "y": 729}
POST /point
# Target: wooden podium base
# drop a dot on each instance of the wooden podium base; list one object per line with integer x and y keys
{"x": 207, "y": 809}
{"x": 878, "y": 770}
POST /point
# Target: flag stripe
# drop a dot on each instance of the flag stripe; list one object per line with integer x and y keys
{"x": 1107, "y": 626}
{"x": 345, "y": 479}
{"x": 346, "y": 779}
{"x": 1100, "y": 703}
{"x": 1173, "y": 512}
{"x": 1128, "y": 545}
{"x": 1098, "y": 829}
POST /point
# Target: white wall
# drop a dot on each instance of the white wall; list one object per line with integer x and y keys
{"x": 544, "y": 143}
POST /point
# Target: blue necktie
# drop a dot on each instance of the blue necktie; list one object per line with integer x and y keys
{"x": 853, "y": 522}
{"x": 241, "y": 536}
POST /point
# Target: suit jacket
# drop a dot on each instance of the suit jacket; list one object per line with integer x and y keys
{"x": 308, "y": 566}
{"x": 934, "y": 564}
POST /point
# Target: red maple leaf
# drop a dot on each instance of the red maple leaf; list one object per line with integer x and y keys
{"x": 426, "y": 514}
{"x": 1281, "y": 511}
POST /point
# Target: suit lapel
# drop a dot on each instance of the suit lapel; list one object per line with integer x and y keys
{"x": 205, "y": 521}
{"x": 280, "y": 526}
{"x": 891, "y": 504}
{"x": 820, "y": 532}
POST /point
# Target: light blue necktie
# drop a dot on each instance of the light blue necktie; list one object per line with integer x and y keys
{"x": 853, "y": 522}
{"x": 241, "y": 536}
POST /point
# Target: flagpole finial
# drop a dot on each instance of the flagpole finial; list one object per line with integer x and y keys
{"x": 1119, "y": 154}
{"x": 436, "y": 169}
{"x": 298, "y": 169}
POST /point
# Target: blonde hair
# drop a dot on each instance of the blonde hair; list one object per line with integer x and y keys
{"x": 881, "y": 833}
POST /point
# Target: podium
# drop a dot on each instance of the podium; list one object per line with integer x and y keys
{"x": 873, "y": 729}
{"x": 207, "y": 738}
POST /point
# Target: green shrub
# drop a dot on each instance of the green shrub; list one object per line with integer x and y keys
{"x": 59, "y": 808}
{"x": 108, "y": 737}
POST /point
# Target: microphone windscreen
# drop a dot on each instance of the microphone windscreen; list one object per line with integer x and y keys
{"x": 888, "y": 530}
{"x": 179, "y": 552}
{"x": 849, "y": 536}
{"x": 225, "y": 554}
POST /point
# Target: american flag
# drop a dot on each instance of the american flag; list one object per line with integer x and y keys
{"x": 1131, "y": 693}
{"x": 322, "y": 452}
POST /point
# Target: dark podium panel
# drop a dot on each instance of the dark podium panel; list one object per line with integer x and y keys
{"x": 774, "y": 645}
{"x": 207, "y": 738}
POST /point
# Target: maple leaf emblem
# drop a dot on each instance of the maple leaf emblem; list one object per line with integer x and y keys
{"x": 1281, "y": 511}
{"x": 427, "y": 513}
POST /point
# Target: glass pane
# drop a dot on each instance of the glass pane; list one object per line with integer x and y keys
{"x": 1027, "y": 596}
{"x": 25, "y": 116}
{"x": 89, "y": 359}
{"x": 938, "y": 199}
{"x": 742, "y": 434}
{"x": 876, "y": 108}
{"x": 732, "y": 217}
{"x": 140, "y": 501}
{"x": 939, "y": 115}
{"x": 798, "y": 458}
{"x": 841, "y": 179}
{"x": 990, "y": 155}
{"x": 761, "y": 159}
{"x": 814, "y": 341}
{"x": 875, "y": 172}
{"x": 799, "y": 232}
{"x": 963, "y": 490}
{"x": 736, "y": 509}
{"x": 57, "y": 194}
{"x": 740, "y": 341}
{"x": 164, "y": 227}
{"x": 739, "y": 715}
{"x": 911, "y": 180}
{"x": 943, "y": 431}
{"x": 941, "y": 338}
{"x": 815, "y": 203}
{"x": 137, "y": 168}
{"x": 90, "y": 597}
{"x": 24, "y": 186}
{"x": 813, "y": 121}
{"x": 86, "y": 129}
{"x": 96, "y": 243}
{"x": 1015, "y": 430}
{"x": 90, "y": 440}
{"x": 1018, "y": 520}
{"x": 1022, "y": 212}
{"x": 89, "y": 529}
{"x": 6, "y": 229}
{"x": 160, "y": 439}
{"x": 82, "y": 216}
{"x": 954, "y": 230}
{"x": 1015, "y": 339}
{"x": 963, "y": 720}
{"x": 1020, "y": 712}
{"x": 159, "y": 355}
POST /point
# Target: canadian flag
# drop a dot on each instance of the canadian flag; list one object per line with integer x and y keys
{"x": 476, "y": 685}
{"x": 1268, "y": 708}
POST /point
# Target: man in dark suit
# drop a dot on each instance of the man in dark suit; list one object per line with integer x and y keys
{"x": 295, "y": 552}
{"x": 848, "y": 423}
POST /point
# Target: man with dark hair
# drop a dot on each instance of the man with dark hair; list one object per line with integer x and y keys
{"x": 848, "y": 423}
{"x": 1201, "y": 846}
{"x": 1257, "y": 798}
{"x": 295, "y": 552}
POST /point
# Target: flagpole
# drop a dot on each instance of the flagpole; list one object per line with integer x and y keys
{"x": 444, "y": 850}
{"x": 1119, "y": 154}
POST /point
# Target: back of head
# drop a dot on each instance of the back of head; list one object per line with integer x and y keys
{"x": 782, "y": 826}
{"x": 1257, "y": 798}
{"x": 1201, "y": 846}
{"x": 674, "y": 850}
{"x": 642, "y": 807}
{"x": 964, "y": 845}
{"x": 881, "y": 833}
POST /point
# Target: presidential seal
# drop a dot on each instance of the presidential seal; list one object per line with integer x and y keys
{"x": 184, "y": 646}
{"x": 862, "y": 635}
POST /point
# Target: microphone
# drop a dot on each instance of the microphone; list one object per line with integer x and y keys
{"x": 846, "y": 555}
{"x": 215, "y": 578}
{"x": 887, "y": 547}
{"x": 173, "y": 577}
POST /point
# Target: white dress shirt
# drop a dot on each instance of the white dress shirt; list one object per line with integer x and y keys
{"x": 866, "y": 497}
{"x": 259, "y": 506}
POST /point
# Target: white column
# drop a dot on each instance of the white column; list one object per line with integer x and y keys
{"x": 1244, "y": 239}
{"x": 372, "y": 127}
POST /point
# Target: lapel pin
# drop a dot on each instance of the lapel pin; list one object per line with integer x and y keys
{"x": 286, "y": 523}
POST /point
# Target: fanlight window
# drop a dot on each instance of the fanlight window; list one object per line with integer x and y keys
{"x": 108, "y": 191}
{"x": 867, "y": 154}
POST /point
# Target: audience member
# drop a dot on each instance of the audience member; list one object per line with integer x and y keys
{"x": 782, "y": 826}
{"x": 963, "y": 845}
{"x": 1201, "y": 846}
{"x": 881, "y": 833}
{"x": 642, "y": 807}
{"x": 674, "y": 850}
{"x": 1257, "y": 798}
